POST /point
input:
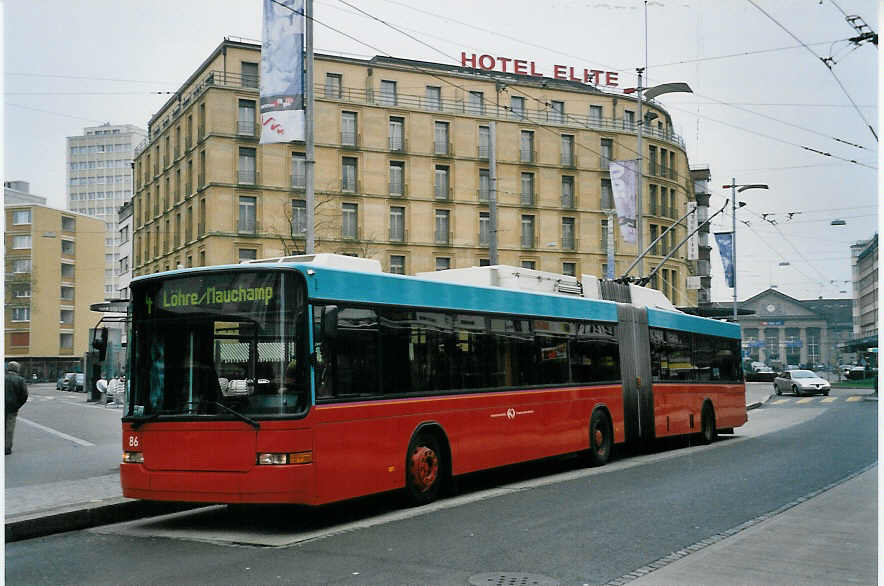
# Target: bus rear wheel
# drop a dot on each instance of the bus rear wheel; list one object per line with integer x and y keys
{"x": 423, "y": 469}
{"x": 601, "y": 438}
{"x": 708, "y": 433}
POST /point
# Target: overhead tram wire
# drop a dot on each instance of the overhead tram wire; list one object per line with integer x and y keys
{"x": 790, "y": 243}
{"x": 743, "y": 54}
{"x": 522, "y": 41}
{"x": 841, "y": 85}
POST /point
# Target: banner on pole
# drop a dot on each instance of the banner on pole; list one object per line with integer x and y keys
{"x": 282, "y": 72}
{"x": 693, "y": 243}
{"x": 623, "y": 190}
{"x": 725, "y": 241}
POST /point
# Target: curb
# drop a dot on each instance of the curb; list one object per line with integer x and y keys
{"x": 114, "y": 510}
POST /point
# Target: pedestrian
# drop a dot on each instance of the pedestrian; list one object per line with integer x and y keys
{"x": 114, "y": 388}
{"x": 16, "y": 396}
{"x": 101, "y": 385}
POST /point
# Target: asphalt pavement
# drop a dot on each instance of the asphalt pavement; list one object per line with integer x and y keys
{"x": 774, "y": 548}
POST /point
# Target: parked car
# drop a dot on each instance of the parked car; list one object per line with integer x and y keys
{"x": 801, "y": 382}
{"x": 68, "y": 382}
{"x": 79, "y": 382}
{"x": 761, "y": 374}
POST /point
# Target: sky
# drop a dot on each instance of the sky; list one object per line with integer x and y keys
{"x": 763, "y": 99}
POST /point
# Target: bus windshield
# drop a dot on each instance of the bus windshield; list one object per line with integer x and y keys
{"x": 219, "y": 344}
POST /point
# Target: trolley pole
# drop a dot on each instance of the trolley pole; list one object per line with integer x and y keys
{"x": 492, "y": 196}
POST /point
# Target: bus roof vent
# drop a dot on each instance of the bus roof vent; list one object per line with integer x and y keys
{"x": 573, "y": 288}
{"x": 614, "y": 291}
{"x": 519, "y": 278}
{"x": 338, "y": 261}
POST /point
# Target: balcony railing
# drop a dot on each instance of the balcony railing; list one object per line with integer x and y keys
{"x": 397, "y": 145}
{"x": 398, "y": 189}
{"x": 243, "y": 177}
{"x": 246, "y": 128}
{"x": 484, "y": 151}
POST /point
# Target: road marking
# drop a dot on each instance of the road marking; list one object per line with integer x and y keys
{"x": 828, "y": 399}
{"x": 78, "y": 441}
{"x": 807, "y": 400}
{"x": 780, "y": 401}
{"x": 854, "y": 398}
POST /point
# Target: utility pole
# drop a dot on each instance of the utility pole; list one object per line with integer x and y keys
{"x": 308, "y": 121}
{"x": 639, "y": 175}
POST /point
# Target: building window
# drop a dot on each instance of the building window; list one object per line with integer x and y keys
{"x": 188, "y": 225}
{"x": 568, "y": 158}
{"x": 245, "y": 123}
{"x": 569, "y": 241}
{"x": 349, "y": 221}
{"x": 348, "y": 174}
{"x": 124, "y": 265}
{"x": 443, "y": 263}
{"x": 652, "y": 160}
{"x": 607, "y": 200}
{"x": 67, "y": 247}
{"x": 526, "y": 147}
{"x": 299, "y": 217}
{"x": 484, "y": 228}
{"x": 247, "y": 222}
{"x": 557, "y": 112}
{"x": 67, "y": 293}
{"x": 388, "y": 93}
{"x": 628, "y": 119}
{"x": 247, "y": 168}
{"x": 66, "y": 316}
{"x": 20, "y": 339}
{"x": 66, "y": 341}
{"x": 397, "y": 134}
{"x": 348, "y": 129}
{"x": 441, "y": 182}
{"x": 567, "y": 192}
{"x": 21, "y": 217}
{"x": 527, "y": 194}
{"x": 484, "y": 185}
{"x": 67, "y": 272}
{"x": 21, "y": 313}
{"x": 654, "y": 230}
{"x": 595, "y": 114}
{"x": 247, "y": 254}
{"x": 652, "y": 200}
{"x": 604, "y": 234}
{"x": 517, "y": 107}
{"x": 569, "y": 269}
{"x": 476, "y": 104}
{"x": 672, "y": 173}
{"x": 440, "y": 139}
{"x": 527, "y": 231}
{"x": 672, "y": 208}
{"x": 68, "y": 224}
{"x": 249, "y": 74}
{"x": 333, "y": 86}
{"x": 607, "y": 153}
{"x": 529, "y": 264}
{"x": 484, "y": 142}
{"x": 299, "y": 171}
{"x": 397, "y": 178}
{"x": 397, "y": 224}
{"x": 442, "y": 234}
{"x": 434, "y": 97}
{"x": 397, "y": 264}
{"x": 21, "y": 291}
{"x": 21, "y": 242}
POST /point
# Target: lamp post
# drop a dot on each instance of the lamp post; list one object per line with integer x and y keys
{"x": 649, "y": 93}
{"x": 734, "y": 190}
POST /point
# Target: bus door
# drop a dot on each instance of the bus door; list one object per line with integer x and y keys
{"x": 635, "y": 371}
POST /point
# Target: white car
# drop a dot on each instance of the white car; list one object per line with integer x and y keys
{"x": 801, "y": 382}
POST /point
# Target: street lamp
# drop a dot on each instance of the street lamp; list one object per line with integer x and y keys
{"x": 649, "y": 94}
{"x": 734, "y": 189}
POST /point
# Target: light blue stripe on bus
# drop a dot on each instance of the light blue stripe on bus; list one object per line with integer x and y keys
{"x": 336, "y": 284}
{"x": 681, "y": 321}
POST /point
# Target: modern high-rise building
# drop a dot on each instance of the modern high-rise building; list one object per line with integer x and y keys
{"x": 99, "y": 181}
{"x": 54, "y": 272}
{"x": 402, "y": 170}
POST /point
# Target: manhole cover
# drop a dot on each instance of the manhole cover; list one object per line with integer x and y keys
{"x": 512, "y": 579}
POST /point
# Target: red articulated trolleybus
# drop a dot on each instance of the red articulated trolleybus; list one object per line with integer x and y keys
{"x": 319, "y": 378}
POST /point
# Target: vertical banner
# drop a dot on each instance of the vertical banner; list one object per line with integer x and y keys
{"x": 693, "y": 244}
{"x": 623, "y": 189}
{"x": 282, "y": 72}
{"x": 725, "y": 241}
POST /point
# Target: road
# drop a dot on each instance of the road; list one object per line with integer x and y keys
{"x": 553, "y": 519}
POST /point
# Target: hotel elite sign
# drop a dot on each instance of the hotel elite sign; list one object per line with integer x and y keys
{"x": 488, "y": 62}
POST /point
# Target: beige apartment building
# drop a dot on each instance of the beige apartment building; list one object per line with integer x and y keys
{"x": 54, "y": 271}
{"x": 402, "y": 171}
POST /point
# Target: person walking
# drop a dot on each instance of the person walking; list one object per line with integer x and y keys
{"x": 16, "y": 396}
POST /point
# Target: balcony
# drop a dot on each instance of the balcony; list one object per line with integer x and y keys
{"x": 569, "y": 160}
{"x": 350, "y": 140}
{"x": 398, "y": 189}
{"x": 397, "y": 145}
{"x": 246, "y": 128}
{"x": 441, "y": 193}
{"x": 527, "y": 156}
{"x": 443, "y": 149}
{"x": 484, "y": 152}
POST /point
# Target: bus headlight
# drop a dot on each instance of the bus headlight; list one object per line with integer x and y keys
{"x": 133, "y": 457}
{"x": 272, "y": 459}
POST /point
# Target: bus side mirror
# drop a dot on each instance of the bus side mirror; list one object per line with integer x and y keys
{"x": 99, "y": 342}
{"x": 330, "y": 323}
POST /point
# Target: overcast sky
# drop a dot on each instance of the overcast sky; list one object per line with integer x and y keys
{"x": 760, "y": 100}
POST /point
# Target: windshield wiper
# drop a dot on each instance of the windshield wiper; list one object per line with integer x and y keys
{"x": 138, "y": 423}
{"x": 238, "y": 415}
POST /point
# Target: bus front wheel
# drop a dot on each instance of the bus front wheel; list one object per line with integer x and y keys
{"x": 708, "y": 433}
{"x": 600, "y": 438}
{"x": 424, "y": 469}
